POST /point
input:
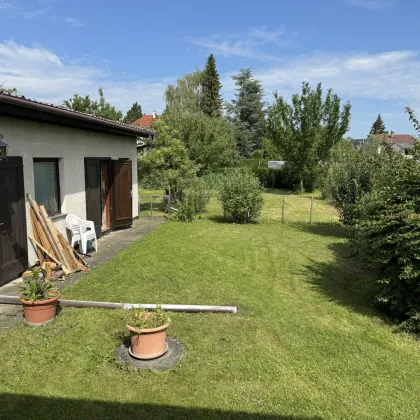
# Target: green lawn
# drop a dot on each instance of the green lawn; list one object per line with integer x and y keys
{"x": 306, "y": 344}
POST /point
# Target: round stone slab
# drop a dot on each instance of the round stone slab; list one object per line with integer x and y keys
{"x": 174, "y": 354}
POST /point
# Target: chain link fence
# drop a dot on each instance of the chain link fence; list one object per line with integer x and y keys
{"x": 294, "y": 208}
{"x": 277, "y": 207}
{"x": 154, "y": 206}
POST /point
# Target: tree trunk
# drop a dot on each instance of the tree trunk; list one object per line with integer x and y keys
{"x": 301, "y": 184}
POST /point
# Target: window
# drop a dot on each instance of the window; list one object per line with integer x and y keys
{"x": 47, "y": 186}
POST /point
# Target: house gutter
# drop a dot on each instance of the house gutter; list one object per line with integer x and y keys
{"x": 69, "y": 114}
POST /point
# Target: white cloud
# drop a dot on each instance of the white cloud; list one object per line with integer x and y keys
{"x": 240, "y": 48}
{"x": 40, "y": 74}
{"x": 377, "y": 5}
{"x": 43, "y": 10}
{"x": 74, "y": 22}
{"x": 248, "y": 46}
{"x": 266, "y": 36}
{"x": 389, "y": 76}
{"x": 5, "y": 4}
{"x": 16, "y": 9}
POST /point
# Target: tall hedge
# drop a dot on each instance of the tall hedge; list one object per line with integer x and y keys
{"x": 377, "y": 192}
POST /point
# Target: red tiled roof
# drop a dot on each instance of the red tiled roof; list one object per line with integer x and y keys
{"x": 146, "y": 121}
{"x": 396, "y": 138}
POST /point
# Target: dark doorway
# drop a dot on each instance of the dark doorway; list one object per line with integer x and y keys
{"x": 108, "y": 193}
{"x": 13, "y": 238}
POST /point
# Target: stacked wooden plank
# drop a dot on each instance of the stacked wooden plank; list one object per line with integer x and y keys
{"x": 50, "y": 244}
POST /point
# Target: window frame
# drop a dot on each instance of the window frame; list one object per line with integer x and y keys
{"x": 57, "y": 172}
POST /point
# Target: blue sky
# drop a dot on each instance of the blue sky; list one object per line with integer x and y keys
{"x": 366, "y": 50}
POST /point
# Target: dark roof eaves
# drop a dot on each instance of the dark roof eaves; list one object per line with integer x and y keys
{"x": 59, "y": 110}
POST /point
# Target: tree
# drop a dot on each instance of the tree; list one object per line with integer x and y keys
{"x": 211, "y": 142}
{"x": 412, "y": 117}
{"x": 101, "y": 109}
{"x": 186, "y": 95}
{"x": 167, "y": 162}
{"x": 211, "y": 100}
{"x": 307, "y": 129}
{"x": 378, "y": 127}
{"x": 246, "y": 112}
{"x": 133, "y": 114}
{"x": 9, "y": 90}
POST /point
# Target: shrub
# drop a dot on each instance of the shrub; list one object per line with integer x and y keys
{"x": 386, "y": 232}
{"x": 241, "y": 196}
{"x": 349, "y": 175}
{"x": 190, "y": 198}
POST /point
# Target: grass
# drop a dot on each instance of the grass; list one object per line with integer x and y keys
{"x": 307, "y": 342}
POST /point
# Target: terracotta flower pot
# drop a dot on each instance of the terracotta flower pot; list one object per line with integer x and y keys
{"x": 40, "y": 312}
{"x": 148, "y": 343}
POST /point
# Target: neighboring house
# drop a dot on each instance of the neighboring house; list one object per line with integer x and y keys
{"x": 358, "y": 143}
{"x": 70, "y": 162}
{"x": 146, "y": 121}
{"x": 400, "y": 143}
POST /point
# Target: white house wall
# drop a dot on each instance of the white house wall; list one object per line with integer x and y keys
{"x": 71, "y": 146}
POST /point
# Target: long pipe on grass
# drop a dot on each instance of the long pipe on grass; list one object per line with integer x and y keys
{"x": 14, "y": 300}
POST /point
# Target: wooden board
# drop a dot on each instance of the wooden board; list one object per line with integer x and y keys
{"x": 39, "y": 253}
{"x": 35, "y": 242}
{"x": 50, "y": 243}
{"x": 50, "y": 226}
{"x": 47, "y": 232}
{"x": 74, "y": 262}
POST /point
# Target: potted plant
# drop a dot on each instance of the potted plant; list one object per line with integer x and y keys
{"x": 39, "y": 299}
{"x": 148, "y": 332}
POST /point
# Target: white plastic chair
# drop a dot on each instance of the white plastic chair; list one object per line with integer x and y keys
{"x": 81, "y": 231}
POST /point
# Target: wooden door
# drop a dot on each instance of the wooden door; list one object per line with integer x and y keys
{"x": 122, "y": 209}
{"x": 93, "y": 193}
{"x": 13, "y": 237}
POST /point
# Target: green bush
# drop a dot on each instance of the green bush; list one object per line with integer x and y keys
{"x": 349, "y": 175}
{"x": 386, "y": 232}
{"x": 377, "y": 193}
{"x": 190, "y": 198}
{"x": 241, "y": 196}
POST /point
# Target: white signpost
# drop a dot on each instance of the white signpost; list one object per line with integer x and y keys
{"x": 276, "y": 164}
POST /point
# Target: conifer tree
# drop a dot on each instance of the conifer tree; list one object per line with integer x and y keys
{"x": 246, "y": 112}
{"x": 133, "y": 114}
{"x": 378, "y": 127}
{"x": 211, "y": 100}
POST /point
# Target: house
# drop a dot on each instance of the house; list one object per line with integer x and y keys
{"x": 146, "y": 121}
{"x": 70, "y": 162}
{"x": 358, "y": 143}
{"x": 400, "y": 143}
